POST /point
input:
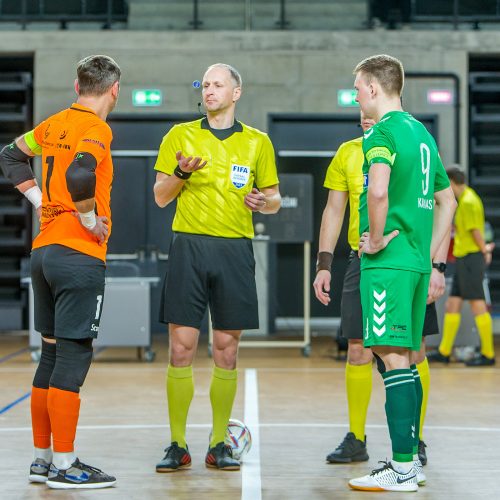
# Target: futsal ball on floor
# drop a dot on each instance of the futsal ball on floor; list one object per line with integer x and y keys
{"x": 238, "y": 436}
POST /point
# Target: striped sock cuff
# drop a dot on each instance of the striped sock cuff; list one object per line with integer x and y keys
{"x": 394, "y": 378}
{"x": 414, "y": 370}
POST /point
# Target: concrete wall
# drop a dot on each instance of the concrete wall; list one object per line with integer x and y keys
{"x": 282, "y": 71}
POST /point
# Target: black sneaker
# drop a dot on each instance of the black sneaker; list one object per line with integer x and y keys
{"x": 39, "y": 471}
{"x": 422, "y": 455}
{"x": 349, "y": 450}
{"x": 176, "y": 458}
{"x": 79, "y": 476}
{"x": 437, "y": 357}
{"x": 221, "y": 457}
{"x": 480, "y": 360}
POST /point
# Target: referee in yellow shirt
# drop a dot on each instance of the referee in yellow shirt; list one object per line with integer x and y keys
{"x": 210, "y": 166}
{"x": 472, "y": 254}
{"x": 344, "y": 179}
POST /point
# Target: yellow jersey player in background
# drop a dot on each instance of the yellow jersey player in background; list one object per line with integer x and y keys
{"x": 473, "y": 255}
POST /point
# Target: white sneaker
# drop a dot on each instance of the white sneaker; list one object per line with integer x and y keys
{"x": 386, "y": 479}
{"x": 419, "y": 469}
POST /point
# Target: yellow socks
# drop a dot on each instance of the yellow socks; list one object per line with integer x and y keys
{"x": 180, "y": 391}
{"x": 450, "y": 329}
{"x": 425, "y": 380}
{"x": 358, "y": 382}
{"x": 485, "y": 330}
{"x": 222, "y": 393}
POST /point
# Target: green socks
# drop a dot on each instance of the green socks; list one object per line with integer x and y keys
{"x": 400, "y": 408}
{"x": 180, "y": 391}
{"x": 222, "y": 394}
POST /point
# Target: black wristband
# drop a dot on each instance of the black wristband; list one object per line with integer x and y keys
{"x": 440, "y": 266}
{"x": 324, "y": 262}
{"x": 178, "y": 172}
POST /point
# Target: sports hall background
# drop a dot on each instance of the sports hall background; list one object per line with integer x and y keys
{"x": 294, "y": 56}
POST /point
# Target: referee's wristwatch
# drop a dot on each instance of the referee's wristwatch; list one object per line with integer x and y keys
{"x": 440, "y": 266}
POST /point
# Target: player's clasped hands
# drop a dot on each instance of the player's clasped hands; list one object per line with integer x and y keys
{"x": 321, "y": 286}
{"x": 189, "y": 164}
{"x": 255, "y": 200}
{"x": 367, "y": 245}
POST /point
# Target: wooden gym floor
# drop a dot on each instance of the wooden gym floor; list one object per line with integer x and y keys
{"x": 294, "y": 406}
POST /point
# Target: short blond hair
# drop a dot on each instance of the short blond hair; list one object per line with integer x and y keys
{"x": 387, "y": 70}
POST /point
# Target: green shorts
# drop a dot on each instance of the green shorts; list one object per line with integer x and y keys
{"x": 393, "y": 303}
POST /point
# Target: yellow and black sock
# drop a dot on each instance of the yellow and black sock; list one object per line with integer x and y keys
{"x": 418, "y": 406}
{"x": 485, "y": 329}
{"x": 450, "y": 329}
{"x": 222, "y": 394}
{"x": 180, "y": 392}
{"x": 358, "y": 382}
{"x": 425, "y": 380}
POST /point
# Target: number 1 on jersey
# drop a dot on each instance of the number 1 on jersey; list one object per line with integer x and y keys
{"x": 50, "y": 168}
{"x": 98, "y": 308}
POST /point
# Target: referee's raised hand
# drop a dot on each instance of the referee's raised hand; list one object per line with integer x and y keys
{"x": 189, "y": 164}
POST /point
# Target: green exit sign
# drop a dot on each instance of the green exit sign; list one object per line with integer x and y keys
{"x": 146, "y": 97}
{"x": 347, "y": 98}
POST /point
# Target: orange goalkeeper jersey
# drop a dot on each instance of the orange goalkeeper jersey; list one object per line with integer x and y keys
{"x": 59, "y": 138}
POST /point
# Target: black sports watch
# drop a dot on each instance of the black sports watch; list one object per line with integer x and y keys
{"x": 440, "y": 266}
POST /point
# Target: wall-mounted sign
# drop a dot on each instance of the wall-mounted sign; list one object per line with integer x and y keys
{"x": 439, "y": 96}
{"x": 146, "y": 97}
{"x": 347, "y": 98}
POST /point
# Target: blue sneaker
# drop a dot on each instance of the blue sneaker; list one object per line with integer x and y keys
{"x": 78, "y": 476}
{"x": 39, "y": 471}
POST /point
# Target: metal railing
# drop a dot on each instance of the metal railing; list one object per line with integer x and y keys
{"x": 455, "y": 11}
{"x": 281, "y": 23}
{"x": 29, "y": 11}
{"x": 451, "y": 12}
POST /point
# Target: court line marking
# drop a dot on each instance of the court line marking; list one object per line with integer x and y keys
{"x": 14, "y": 403}
{"x": 145, "y": 369}
{"x": 14, "y": 354}
{"x": 251, "y": 486}
{"x": 284, "y": 425}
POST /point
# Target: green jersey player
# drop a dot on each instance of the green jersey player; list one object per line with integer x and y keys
{"x": 406, "y": 209}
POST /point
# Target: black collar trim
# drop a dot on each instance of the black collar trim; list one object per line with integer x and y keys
{"x": 82, "y": 110}
{"x": 222, "y": 134}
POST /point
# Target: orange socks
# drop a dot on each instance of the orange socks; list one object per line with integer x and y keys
{"x": 40, "y": 420}
{"x": 64, "y": 409}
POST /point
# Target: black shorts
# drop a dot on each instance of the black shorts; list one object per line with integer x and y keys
{"x": 68, "y": 289}
{"x": 207, "y": 270}
{"x": 351, "y": 314}
{"x": 468, "y": 277}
